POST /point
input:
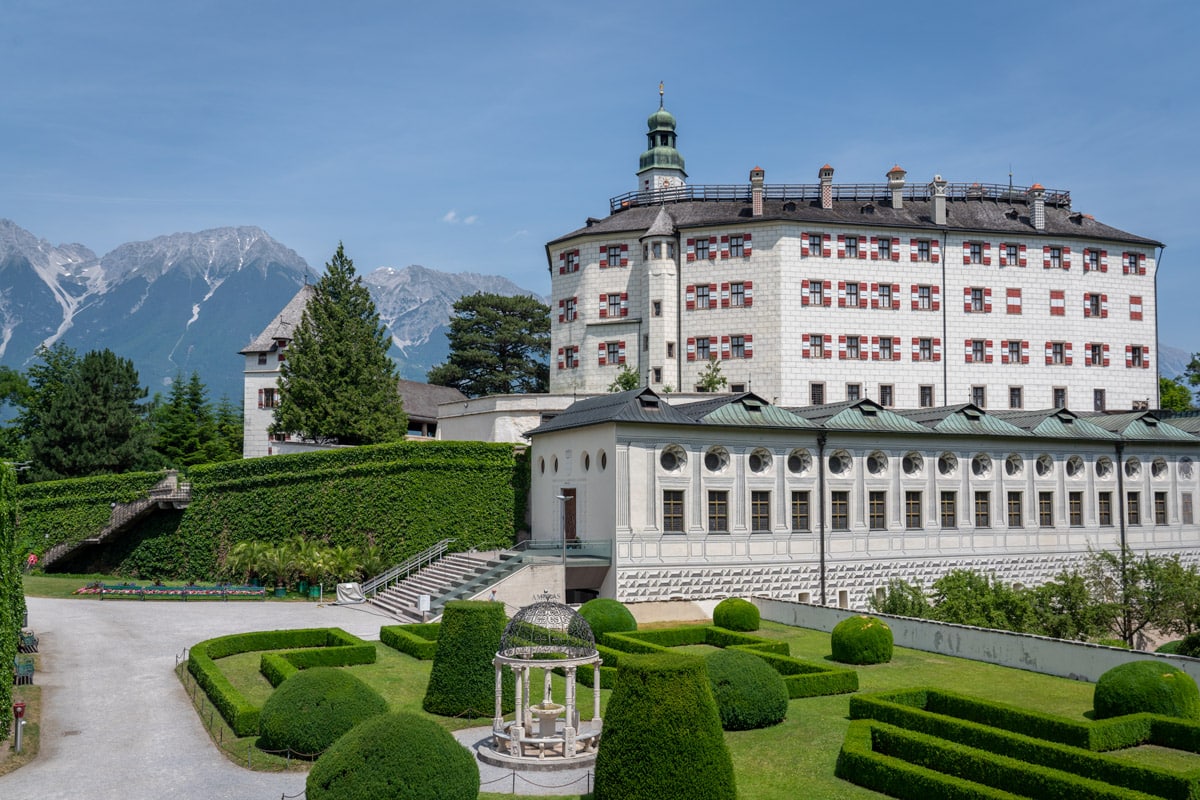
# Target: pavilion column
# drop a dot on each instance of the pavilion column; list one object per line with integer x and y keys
{"x": 498, "y": 719}
{"x": 596, "y": 694}
{"x": 525, "y": 715}
{"x": 519, "y": 697}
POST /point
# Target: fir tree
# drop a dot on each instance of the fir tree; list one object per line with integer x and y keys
{"x": 498, "y": 345}
{"x": 338, "y": 384}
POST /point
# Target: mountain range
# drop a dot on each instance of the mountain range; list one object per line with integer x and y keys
{"x": 190, "y": 301}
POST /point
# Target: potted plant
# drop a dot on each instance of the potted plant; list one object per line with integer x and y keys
{"x": 277, "y": 564}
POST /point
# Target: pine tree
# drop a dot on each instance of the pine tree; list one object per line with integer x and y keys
{"x": 338, "y": 384}
{"x": 92, "y": 422}
{"x": 229, "y": 431}
{"x": 498, "y": 345}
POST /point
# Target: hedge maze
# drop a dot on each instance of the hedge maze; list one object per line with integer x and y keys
{"x": 924, "y": 743}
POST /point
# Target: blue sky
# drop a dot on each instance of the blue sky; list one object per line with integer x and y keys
{"x": 463, "y": 136}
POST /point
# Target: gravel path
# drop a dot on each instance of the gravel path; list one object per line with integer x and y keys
{"x": 116, "y": 722}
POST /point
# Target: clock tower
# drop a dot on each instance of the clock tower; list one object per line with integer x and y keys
{"x": 661, "y": 166}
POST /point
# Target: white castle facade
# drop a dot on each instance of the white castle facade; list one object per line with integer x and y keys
{"x": 911, "y": 295}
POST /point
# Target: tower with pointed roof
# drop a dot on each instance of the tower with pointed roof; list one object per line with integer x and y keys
{"x": 661, "y": 166}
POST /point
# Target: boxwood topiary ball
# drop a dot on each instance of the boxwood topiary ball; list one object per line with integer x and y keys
{"x": 1151, "y": 686}
{"x": 749, "y": 693}
{"x": 736, "y": 614}
{"x": 397, "y": 756}
{"x": 1189, "y": 646}
{"x": 605, "y": 615}
{"x": 862, "y": 640}
{"x": 311, "y": 709}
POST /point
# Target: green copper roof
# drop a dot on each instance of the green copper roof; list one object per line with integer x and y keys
{"x": 859, "y": 415}
{"x": 966, "y": 419}
{"x": 1140, "y": 426}
{"x": 1055, "y": 423}
{"x": 660, "y": 141}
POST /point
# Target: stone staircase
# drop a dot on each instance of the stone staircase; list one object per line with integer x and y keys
{"x": 453, "y": 576}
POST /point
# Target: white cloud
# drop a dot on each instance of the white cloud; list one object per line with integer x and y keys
{"x": 470, "y": 220}
{"x": 451, "y": 216}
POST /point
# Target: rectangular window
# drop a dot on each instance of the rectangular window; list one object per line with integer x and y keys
{"x": 839, "y": 511}
{"x": 670, "y": 349}
{"x": 925, "y": 349}
{"x": 887, "y": 395}
{"x": 1091, "y": 262}
{"x": 851, "y": 247}
{"x": 1056, "y": 260}
{"x": 614, "y": 305}
{"x": 1133, "y": 504}
{"x": 853, "y": 347}
{"x": 978, "y": 351}
{"x": 737, "y": 346}
{"x": 1160, "y": 508}
{"x": 760, "y": 512}
{"x": 1185, "y": 508}
{"x": 977, "y": 299}
{"x": 1075, "y": 509}
{"x": 852, "y": 295}
{"x": 816, "y": 293}
{"x": 570, "y": 309}
{"x": 572, "y": 260}
{"x": 656, "y": 372}
{"x": 673, "y": 510}
{"x": 816, "y": 394}
{"x": 801, "y": 515}
{"x": 885, "y": 248}
{"x": 262, "y": 359}
{"x": 983, "y": 510}
{"x": 703, "y": 297}
{"x": 1014, "y": 510}
{"x": 1093, "y": 305}
{"x": 877, "y": 510}
{"x": 1060, "y": 397}
{"x": 718, "y": 511}
{"x": 976, "y": 253}
{"x": 1096, "y": 354}
{"x": 1046, "y": 509}
{"x": 979, "y": 396}
{"x": 1098, "y": 401}
{"x": 269, "y": 398}
{"x": 1058, "y": 353}
{"x": 885, "y": 295}
{"x": 1016, "y": 397}
{"x": 922, "y": 250}
{"x": 816, "y": 345}
{"x": 704, "y": 349}
{"x": 924, "y": 297}
{"x": 853, "y": 392}
{"x": 1012, "y": 255}
{"x": 1104, "y": 511}
{"x": 736, "y": 247}
{"x": 737, "y": 294}
{"x": 656, "y": 308}
{"x": 571, "y": 357}
{"x": 614, "y": 352}
{"x": 925, "y": 395}
{"x": 614, "y": 255}
{"x": 815, "y": 244}
{"x": 949, "y": 509}
{"x": 1135, "y": 355}
{"x": 1014, "y": 351}
{"x": 886, "y": 353}
{"x": 912, "y": 511}
{"x": 702, "y": 248}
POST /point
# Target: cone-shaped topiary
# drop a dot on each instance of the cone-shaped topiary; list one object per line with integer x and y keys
{"x": 862, "y": 640}
{"x": 311, "y": 709}
{"x": 662, "y": 734}
{"x": 397, "y": 756}
{"x": 736, "y": 614}
{"x": 462, "y": 681}
{"x": 605, "y": 615}
{"x": 749, "y": 693}
{"x": 1151, "y": 686}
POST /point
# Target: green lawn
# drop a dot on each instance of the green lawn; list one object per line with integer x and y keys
{"x": 792, "y": 759}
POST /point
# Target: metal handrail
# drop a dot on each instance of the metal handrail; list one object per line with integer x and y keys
{"x": 403, "y": 570}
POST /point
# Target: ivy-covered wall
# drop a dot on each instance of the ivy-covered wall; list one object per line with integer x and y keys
{"x": 12, "y": 596}
{"x": 400, "y": 497}
{"x": 60, "y": 511}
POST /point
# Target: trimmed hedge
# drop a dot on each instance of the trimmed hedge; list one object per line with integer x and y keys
{"x": 662, "y": 734}
{"x": 397, "y": 756}
{"x": 605, "y": 615}
{"x": 909, "y": 710}
{"x": 736, "y": 614}
{"x": 1187, "y": 646}
{"x": 462, "y": 681}
{"x": 50, "y": 512}
{"x": 802, "y": 678}
{"x": 419, "y": 639}
{"x": 749, "y": 693}
{"x": 861, "y": 640}
{"x": 12, "y": 596}
{"x": 311, "y": 710}
{"x": 240, "y": 714}
{"x": 1147, "y": 686}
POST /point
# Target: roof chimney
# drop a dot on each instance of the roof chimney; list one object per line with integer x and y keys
{"x": 937, "y": 191}
{"x": 757, "y": 176}
{"x": 826, "y": 176}
{"x": 895, "y": 178}
{"x": 1037, "y": 206}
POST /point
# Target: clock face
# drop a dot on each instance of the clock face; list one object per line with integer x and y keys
{"x": 665, "y": 182}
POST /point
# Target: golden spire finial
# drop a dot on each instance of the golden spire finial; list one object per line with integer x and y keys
{"x": 660, "y": 94}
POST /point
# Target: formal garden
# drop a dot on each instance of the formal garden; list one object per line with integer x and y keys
{"x": 739, "y": 707}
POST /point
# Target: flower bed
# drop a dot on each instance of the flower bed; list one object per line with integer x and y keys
{"x": 157, "y": 592}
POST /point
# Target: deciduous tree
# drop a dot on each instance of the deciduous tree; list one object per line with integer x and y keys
{"x": 711, "y": 378}
{"x": 1173, "y": 395}
{"x": 498, "y": 345}
{"x": 338, "y": 384}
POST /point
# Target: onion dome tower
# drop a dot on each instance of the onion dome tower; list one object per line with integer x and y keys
{"x": 661, "y": 166}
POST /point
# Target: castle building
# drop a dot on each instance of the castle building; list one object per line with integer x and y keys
{"x": 915, "y": 295}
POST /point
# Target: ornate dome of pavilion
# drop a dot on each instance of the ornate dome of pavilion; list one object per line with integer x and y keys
{"x": 547, "y": 630}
